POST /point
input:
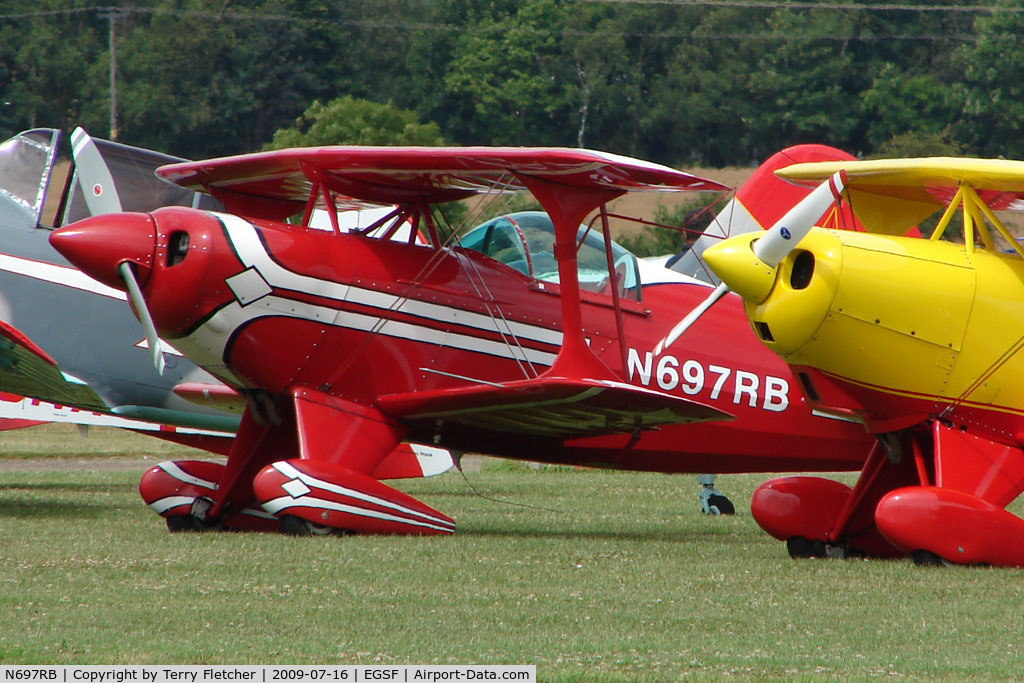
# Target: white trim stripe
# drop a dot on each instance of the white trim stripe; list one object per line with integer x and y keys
{"x": 170, "y": 502}
{"x": 172, "y": 468}
{"x": 164, "y": 504}
{"x": 234, "y": 315}
{"x": 292, "y": 472}
{"x": 253, "y": 254}
{"x": 58, "y": 275}
{"x": 278, "y": 505}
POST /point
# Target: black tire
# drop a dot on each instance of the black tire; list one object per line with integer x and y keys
{"x": 724, "y": 505}
{"x": 799, "y": 547}
{"x": 291, "y": 525}
{"x": 926, "y": 558}
{"x": 179, "y": 523}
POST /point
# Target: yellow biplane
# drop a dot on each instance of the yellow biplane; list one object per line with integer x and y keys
{"x": 919, "y": 339}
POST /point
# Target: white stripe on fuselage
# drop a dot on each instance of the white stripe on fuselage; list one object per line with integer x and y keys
{"x": 252, "y": 252}
{"x": 58, "y": 275}
{"x": 207, "y": 344}
{"x": 209, "y": 341}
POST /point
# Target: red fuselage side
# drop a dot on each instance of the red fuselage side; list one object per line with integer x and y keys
{"x": 272, "y": 307}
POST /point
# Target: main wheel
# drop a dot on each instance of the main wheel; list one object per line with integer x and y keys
{"x": 926, "y": 558}
{"x": 293, "y": 525}
{"x": 180, "y": 523}
{"x": 800, "y": 547}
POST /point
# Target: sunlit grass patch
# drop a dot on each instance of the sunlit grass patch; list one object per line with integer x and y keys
{"x": 590, "y": 575}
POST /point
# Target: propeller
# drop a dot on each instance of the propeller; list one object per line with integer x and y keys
{"x": 139, "y": 302}
{"x": 771, "y": 247}
{"x": 101, "y": 198}
{"x": 93, "y": 175}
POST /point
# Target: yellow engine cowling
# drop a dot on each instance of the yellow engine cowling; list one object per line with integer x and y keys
{"x": 903, "y": 315}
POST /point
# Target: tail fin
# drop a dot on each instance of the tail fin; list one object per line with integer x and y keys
{"x": 759, "y": 203}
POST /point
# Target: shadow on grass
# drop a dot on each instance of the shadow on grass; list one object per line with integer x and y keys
{"x": 71, "y": 487}
{"x": 35, "y": 500}
{"x": 639, "y": 533}
{"x": 37, "y": 509}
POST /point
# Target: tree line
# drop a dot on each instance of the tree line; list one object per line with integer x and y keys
{"x": 687, "y": 82}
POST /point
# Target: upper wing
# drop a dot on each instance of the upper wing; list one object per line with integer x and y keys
{"x": 892, "y": 195}
{"x": 557, "y": 408}
{"x": 280, "y": 182}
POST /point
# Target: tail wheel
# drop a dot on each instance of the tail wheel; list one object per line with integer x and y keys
{"x": 724, "y": 505}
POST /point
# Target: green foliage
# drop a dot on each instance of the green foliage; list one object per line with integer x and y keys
{"x": 918, "y": 144}
{"x": 348, "y": 121}
{"x": 993, "y": 121}
{"x": 910, "y": 106}
{"x": 677, "y": 83}
{"x": 508, "y": 77}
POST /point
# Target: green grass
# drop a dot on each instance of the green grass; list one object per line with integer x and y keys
{"x": 65, "y": 441}
{"x": 625, "y": 581}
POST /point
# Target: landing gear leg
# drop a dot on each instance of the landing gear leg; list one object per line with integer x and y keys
{"x": 712, "y": 501}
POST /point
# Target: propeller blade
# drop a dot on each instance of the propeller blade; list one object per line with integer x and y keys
{"x": 94, "y": 176}
{"x": 691, "y": 318}
{"x": 135, "y": 293}
{"x": 773, "y": 246}
{"x": 781, "y": 238}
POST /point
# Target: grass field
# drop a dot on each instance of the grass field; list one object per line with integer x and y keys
{"x": 620, "y": 579}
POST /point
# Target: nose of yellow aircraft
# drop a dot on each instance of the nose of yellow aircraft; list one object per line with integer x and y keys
{"x": 735, "y": 263}
{"x": 787, "y": 304}
{"x": 99, "y": 245}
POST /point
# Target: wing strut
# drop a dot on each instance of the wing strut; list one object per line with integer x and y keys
{"x": 568, "y": 208}
{"x": 620, "y": 328}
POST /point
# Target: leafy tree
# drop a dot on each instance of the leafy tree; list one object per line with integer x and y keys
{"x": 993, "y": 121}
{"x": 43, "y": 62}
{"x": 698, "y": 106}
{"x": 198, "y": 85}
{"x": 616, "y": 53}
{"x": 805, "y": 86}
{"x": 509, "y": 81}
{"x": 356, "y": 122}
{"x": 902, "y": 104}
{"x": 917, "y": 144}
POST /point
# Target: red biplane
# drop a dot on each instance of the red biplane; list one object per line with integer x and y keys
{"x": 533, "y": 336}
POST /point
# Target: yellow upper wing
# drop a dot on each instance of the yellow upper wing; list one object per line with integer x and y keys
{"x": 892, "y": 195}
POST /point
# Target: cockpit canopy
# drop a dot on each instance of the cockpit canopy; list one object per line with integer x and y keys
{"x": 525, "y": 241}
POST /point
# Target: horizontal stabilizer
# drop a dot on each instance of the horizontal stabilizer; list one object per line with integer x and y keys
{"x": 549, "y": 407}
{"x": 27, "y": 370}
{"x": 411, "y": 461}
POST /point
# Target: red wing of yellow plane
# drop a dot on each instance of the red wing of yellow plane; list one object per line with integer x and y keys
{"x": 918, "y": 339}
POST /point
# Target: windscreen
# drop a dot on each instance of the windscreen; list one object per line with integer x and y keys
{"x": 525, "y": 241}
{"x": 25, "y": 164}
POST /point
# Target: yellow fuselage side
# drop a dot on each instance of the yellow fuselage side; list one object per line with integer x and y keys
{"x": 907, "y": 316}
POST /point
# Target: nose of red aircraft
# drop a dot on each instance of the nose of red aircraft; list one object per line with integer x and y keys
{"x": 99, "y": 245}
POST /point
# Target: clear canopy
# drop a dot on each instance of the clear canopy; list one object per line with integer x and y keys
{"x": 525, "y": 241}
